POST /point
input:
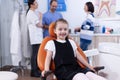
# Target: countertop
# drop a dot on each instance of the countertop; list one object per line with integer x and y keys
{"x": 97, "y": 34}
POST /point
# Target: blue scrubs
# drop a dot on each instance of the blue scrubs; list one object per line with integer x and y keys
{"x": 48, "y": 18}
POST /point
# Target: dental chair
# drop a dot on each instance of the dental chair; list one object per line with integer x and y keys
{"x": 42, "y": 53}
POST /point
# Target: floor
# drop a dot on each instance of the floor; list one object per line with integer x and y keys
{"x": 25, "y": 76}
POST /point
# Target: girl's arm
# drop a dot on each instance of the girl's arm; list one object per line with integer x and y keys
{"x": 47, "y": 61}
{"x": 83, "y": 61}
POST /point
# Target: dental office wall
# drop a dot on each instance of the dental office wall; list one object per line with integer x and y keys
{"x": 7, "y": 8}
{"x": 6, "y": 11}
{"x": 74, "y": 14}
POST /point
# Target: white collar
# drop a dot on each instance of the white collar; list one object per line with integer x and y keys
{"x": 62, "y": 41}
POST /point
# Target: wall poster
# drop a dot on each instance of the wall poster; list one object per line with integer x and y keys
{"x": 105, "y": 8}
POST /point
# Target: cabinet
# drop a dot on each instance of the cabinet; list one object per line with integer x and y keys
{"x": 105, "y": 38}
{"x": 76, "y": 37}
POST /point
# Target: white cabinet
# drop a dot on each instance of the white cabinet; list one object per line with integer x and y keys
{"x": 109, "y": 56}
{"x": 76, "y": 37}
{"x": 105, "y": 38}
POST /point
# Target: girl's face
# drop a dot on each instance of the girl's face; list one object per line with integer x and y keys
{"x": 61, "y": 30}
{"x": 86, "y": 8}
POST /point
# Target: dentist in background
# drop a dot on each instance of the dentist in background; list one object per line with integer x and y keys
{"x": 87, "y": 28}
{"x": 35, "y": 33}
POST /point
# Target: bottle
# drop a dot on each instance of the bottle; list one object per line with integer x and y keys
{"x": 103, "y": 29}
{"x": 97, "y": 28}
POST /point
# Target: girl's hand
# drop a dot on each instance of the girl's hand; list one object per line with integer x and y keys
{"x": 46, "y": 73}
{"x": 93, "y": 69}
{"x": 43, "y": 73}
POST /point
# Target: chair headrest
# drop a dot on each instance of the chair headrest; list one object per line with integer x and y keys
{"x": 51, "y": 30}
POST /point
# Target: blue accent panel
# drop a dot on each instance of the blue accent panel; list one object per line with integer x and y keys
{"x": 25, "y": 1}
{"x": 61, "y": 5}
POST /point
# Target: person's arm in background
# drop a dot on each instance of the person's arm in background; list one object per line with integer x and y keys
{"x": 88, "y": 24}
{"x": 85, "y": 26}
{"x": 39, "y": 24}
{"x": 77, "y": 29}
{"x": 44, "y": 22}
{"x": 45, "y": 26}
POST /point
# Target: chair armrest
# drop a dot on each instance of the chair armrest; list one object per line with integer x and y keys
{"x": 98, "y": 68}
{"x": 92, "y": 52}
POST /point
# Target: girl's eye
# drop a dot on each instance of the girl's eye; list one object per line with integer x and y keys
{"x": 60, "y": 29}
{"x": 65, "y": 29}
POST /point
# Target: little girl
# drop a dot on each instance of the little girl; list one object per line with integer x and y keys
{"x": 64, "y": 53}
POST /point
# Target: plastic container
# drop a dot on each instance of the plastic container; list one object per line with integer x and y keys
{"x": 103, "y": 29}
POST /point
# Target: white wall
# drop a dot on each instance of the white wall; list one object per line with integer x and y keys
{"x": 6, "y": 13}
{"x": 74, "y": 11}
{"x": 7, "y": 8}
